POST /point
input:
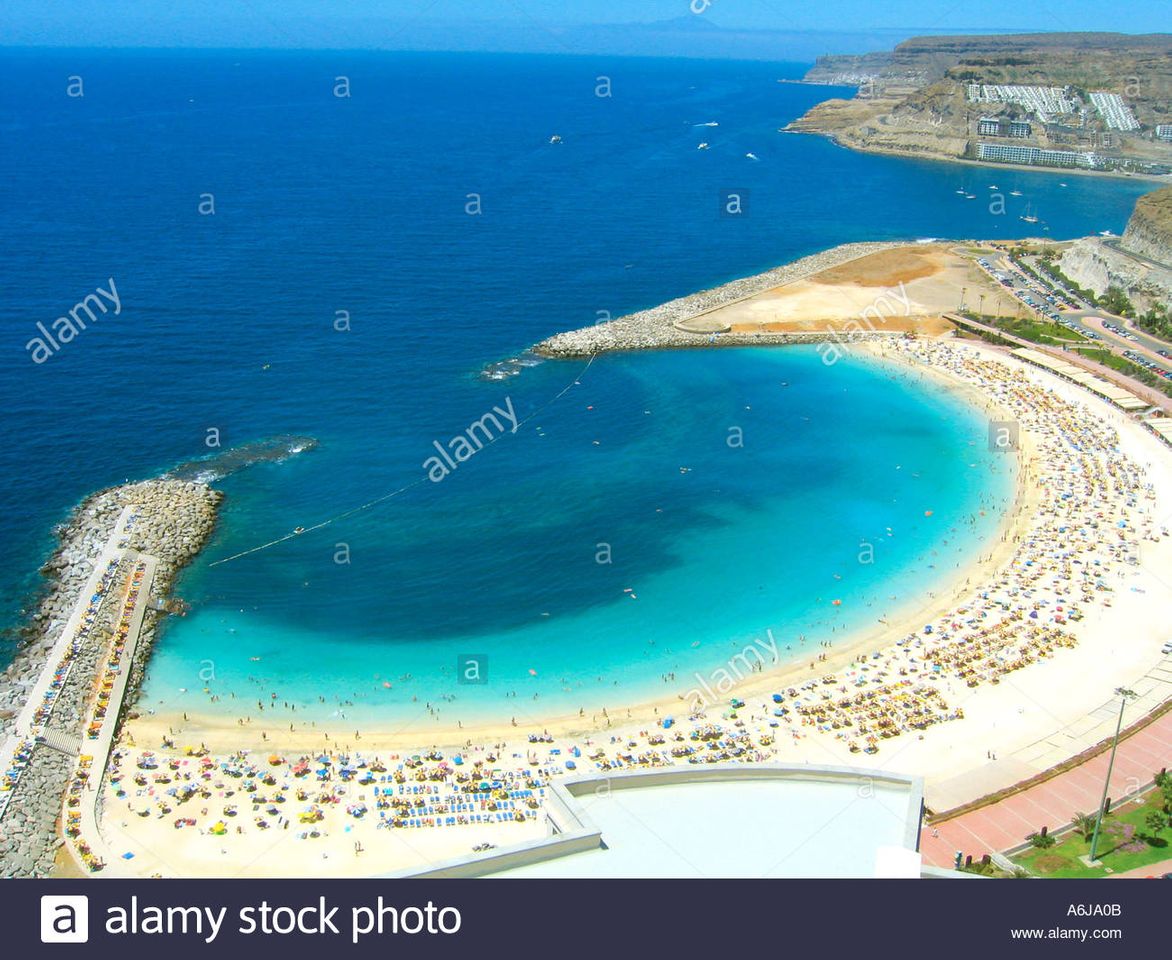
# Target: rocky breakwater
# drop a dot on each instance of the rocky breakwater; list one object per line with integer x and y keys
{"x": 174, "y": 520}
{"x": 660, "y": 327}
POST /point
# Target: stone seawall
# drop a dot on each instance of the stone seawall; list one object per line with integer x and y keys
{"x": 176, "y": 520}
{"x": 656, "y": 328}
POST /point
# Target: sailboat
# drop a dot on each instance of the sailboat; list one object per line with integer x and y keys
{"x": 1015, "y": 193}
{"x": 1028, "y": 216}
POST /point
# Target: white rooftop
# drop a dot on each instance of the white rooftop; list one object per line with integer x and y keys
{"x": 750, "y": 820}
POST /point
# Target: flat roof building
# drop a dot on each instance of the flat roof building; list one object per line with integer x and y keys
{"x": 734, "y": 820}
{"x": 1036, "y": 156}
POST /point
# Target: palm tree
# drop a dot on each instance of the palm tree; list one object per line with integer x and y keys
{"x": 1084, "y": 823}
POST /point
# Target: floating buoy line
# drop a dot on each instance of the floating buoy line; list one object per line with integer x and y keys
{"x": 302, "y": 530}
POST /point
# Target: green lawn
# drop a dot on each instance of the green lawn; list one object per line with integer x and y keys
{"x": 1109, "y": 359}
{"x": 1124, "y": 844}
{"x": 1036, "y": 331}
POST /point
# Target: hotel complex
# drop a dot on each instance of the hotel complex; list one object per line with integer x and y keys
{"x": 1037, "y": 156}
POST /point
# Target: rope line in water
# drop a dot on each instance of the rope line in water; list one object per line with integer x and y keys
{"x": 394, "y": 493}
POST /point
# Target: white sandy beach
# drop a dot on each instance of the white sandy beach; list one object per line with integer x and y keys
{"x": 1063, "y": 608}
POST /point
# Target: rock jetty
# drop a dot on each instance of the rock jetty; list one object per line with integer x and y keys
{"x": 176, "y": 519}
{"x": 659, "y": 327}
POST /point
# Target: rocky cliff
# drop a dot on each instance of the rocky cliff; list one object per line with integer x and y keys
{"x": 1149, "y": 231}
{"x": 1139, "y": 264}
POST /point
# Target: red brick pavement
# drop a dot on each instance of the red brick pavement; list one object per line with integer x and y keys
{"x": 1053, "y": 803}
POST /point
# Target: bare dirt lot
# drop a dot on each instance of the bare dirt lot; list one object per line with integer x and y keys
{"x": 905, "y": 289}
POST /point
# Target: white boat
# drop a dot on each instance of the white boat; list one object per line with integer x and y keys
{"x": 962, "y": 191}
{"x": 556, "y": 138}
{"x": 702, "y": 146}
{"x": 1015, "y": 193}
{"x": 1028, "y": 216}
{"x": 752, "y": 156}
{"x": 970, "y": 196}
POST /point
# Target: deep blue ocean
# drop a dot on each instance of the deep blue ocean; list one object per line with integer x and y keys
{"x": 358, "y": 204}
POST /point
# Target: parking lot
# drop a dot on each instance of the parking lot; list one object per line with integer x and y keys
{"x": 1055, "y": 303}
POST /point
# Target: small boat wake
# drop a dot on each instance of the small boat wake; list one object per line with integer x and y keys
{"x": 217, "y": 466}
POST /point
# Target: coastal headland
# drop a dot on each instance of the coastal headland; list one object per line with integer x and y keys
{"x": 1073, "y": 103}
{"x": 984, "y": 681}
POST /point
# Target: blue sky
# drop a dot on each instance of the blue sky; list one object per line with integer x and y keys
{"x": 545, "y": 24}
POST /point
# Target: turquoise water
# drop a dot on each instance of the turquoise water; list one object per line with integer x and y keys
{"x": 358, "y": 205}
{"x": 733, "y": 493}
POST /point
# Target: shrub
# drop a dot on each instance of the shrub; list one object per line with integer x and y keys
{"x": 1084, "y": 823}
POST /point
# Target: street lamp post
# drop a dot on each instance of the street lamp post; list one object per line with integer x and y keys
{"x": 1124, "y": 695}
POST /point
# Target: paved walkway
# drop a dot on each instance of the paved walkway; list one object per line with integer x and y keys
{"x": 116, "y": 664}
{"x": 1151, "y": 870}
{"x": 1153, "y": 688}
{"x": 1142, "y": 872}
{"x": 1054, "y": 802}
